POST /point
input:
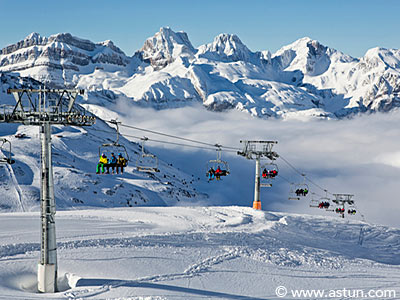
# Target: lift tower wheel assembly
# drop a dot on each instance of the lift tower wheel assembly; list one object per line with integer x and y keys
{"x": 255, "y": 150}
{"x": 45, "y": 107}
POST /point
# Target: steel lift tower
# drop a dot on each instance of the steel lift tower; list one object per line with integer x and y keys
{"x": 45, "y": 107}
{"x": 257, "y": 150}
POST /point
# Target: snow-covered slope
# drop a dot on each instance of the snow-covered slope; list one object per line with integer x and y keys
{"x": 75, "y": 156}
{"x": 304, "y": 78}
{"x": 200, "y": 253}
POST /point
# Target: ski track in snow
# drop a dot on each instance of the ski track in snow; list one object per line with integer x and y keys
{"x": 193, "y": 270}
{"x": 17, "y": 188}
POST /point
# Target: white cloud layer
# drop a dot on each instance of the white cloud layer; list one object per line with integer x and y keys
{"x": 359, "y": 156}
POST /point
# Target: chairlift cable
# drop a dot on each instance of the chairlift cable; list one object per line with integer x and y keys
{"x": 177, "y": 137}
{"x": 228, "y": 148}
{"x": 280, "y": 176}
{"x": 305, "y": 176}
{"x": 160, "y": 141}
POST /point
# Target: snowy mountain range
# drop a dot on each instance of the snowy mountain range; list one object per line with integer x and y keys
{"x": 304, "y": 78}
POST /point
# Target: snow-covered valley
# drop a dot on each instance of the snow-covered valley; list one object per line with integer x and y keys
{"x": 199, "y": 253}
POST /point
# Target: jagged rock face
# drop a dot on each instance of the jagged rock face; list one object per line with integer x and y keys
{"x": 164, "y": 47}
{"x": 61, "y": 52}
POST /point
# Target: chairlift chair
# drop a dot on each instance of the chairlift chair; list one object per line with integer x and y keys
{"x": 351, "y": 209}
{"x": 296, "y": 189}
{"x": 147, "y": 162}
{"x": 5, "y": 158}
{"x": 114, "y": 147}
{"x": 214, "y": 164}
{"x": 267, "y": 170}
{"x": 292, "y": 192}
{"x": 327, "y": 199}
{"x": 314, "y": 203}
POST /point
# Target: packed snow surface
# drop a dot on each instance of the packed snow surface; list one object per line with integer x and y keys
{"x": 198, "y": 253}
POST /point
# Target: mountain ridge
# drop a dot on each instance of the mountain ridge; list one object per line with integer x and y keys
{"x": 304, "y": 78}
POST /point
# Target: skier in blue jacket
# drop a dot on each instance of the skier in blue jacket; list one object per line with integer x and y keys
{"x": 112, "y": 163}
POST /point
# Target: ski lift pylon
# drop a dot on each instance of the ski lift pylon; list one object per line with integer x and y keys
{"x": 146, "y": 162}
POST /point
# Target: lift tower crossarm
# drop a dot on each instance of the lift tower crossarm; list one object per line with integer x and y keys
{"x": 31, "y": 110}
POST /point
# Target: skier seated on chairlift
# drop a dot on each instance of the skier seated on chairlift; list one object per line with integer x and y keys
{"x": 269, "y": 173}
{"x": 351, "y": 211}
{"x": 121, "y": 163}
{"x": 211, "y": 174}
{"x": 324, "y": 205}
{"x": 103, "y": 161}
{"x": 218, "y": 173}
{"x": 301, "y": 192}
{"x": 340, "y": 210}
{"x": 112, "y": 163}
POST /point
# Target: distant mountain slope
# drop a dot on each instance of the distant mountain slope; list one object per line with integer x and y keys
{"x": 304, "y": 78}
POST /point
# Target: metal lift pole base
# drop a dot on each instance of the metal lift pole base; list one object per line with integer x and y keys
{"x": 257, "y": 205}
{"x": 46, "y": 277}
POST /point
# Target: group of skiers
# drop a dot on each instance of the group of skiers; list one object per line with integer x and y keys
{"x": 301, "y": 192}
{"x": 116, "y": 163}
{"x": 350, "y": 211}
{"x": 269, "y": 173}
{"x": 339, "y": 210}
{"x": 216, "y": 174}
{"x": 324, "y": 205}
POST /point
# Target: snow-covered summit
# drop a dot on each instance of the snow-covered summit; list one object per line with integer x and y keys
{"x": 165, "y": 46}
{"x": 309, "y": 56}
{"x": 226, "y": 47}
{"x": 390, "y": 58}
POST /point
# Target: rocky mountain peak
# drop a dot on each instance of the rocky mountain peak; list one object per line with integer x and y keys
{"x": 389, "y": 58}
{"x": 111, "y": 45}
{"x": 71, "y": 40}
{"x": 309, "y": 56}
{"x": 228, "y": 46}
{"x": 31, "y": 40}
{"x": 165, "y": 46}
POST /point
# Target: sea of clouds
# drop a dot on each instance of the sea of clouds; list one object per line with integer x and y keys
{"x": 360, "y": 156}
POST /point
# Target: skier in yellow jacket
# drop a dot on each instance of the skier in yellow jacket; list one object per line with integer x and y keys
{"x": 103, "y": 161}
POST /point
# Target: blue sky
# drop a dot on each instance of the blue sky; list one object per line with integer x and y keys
{"x": 350, "y": 26}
